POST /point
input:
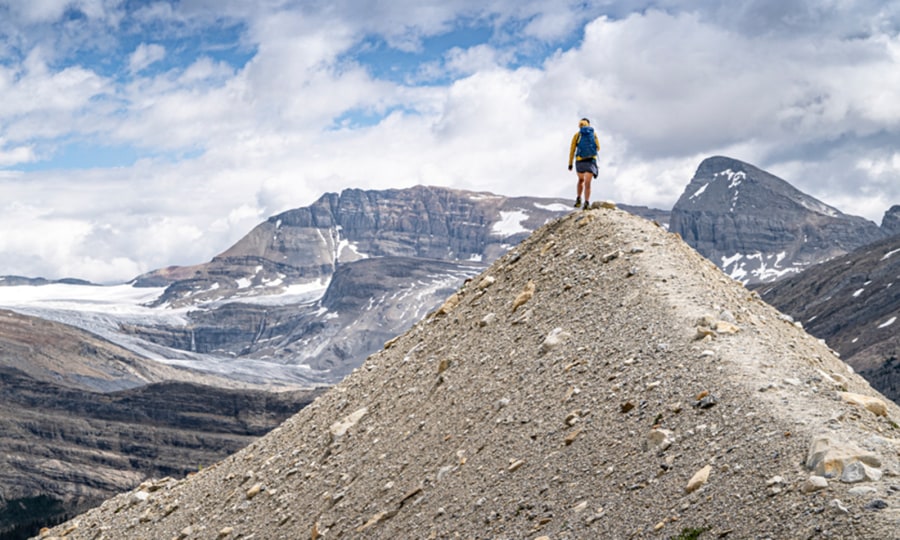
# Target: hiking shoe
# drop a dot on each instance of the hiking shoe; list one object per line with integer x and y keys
{"x": 578, "y": 202}
{"x": 587, "y": 205}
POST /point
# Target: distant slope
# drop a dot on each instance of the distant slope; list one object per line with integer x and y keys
{"x": 759, "y": 228}
{"x": 602, "y": 380}
{"x": 853, "y": 303}
{"x": 63, "y": 355}
{"x": 82, "y": 419}
{"x": 78, "y": 447}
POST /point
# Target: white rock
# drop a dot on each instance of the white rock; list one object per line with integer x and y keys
{"x": 814, "y": 483}
{"x": 858, "y": 471}
{"x": 339, "y": 429}
{"x": 661, "y": 439}
{"x": 554, "y": 339}
{"x": 861, "y": 491}
{"x": 700, "y": 477}
{"x": 874, "y": 405}
{"x": 839, "y": 506}
{"x": 488, "y": 319}
{"x": 829, "y": 457}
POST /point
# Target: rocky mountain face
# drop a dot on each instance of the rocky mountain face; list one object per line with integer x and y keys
{"x": 82, "y": 419}
{"x": 601, "y": 380}
{"x": 757, "y": 227}
{"x": 306, "y": 245}
{"x": 852, "y": 302}
{"x": 890, "y": 224}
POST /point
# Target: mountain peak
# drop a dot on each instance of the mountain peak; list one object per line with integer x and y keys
{"x": 600, "y": 380}
{"x": 758, "y": 227}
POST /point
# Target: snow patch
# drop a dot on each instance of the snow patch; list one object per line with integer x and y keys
{"x": 112, "y": 298}
{"x": 740, "y": 265}
{"x": 858, "y": 292}
{"x": 353, "y": 247}
{"x": 477, "y": 257}
{"x": 889, "y": 253}
{"x": 734, "y": 177}
{"x": 510, "y": 223}
{"x": 699, "y": 191}
{"x": 555, "y": 207}
{"x": 727, "y": 261}
{"x": 888, "y": 322}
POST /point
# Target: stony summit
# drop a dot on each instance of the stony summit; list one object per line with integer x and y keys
{"x": 600, "y": 380}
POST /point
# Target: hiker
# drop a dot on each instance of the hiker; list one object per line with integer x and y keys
{"x": 583, "y": 149}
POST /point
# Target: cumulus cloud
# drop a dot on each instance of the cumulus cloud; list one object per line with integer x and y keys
{"x": 803, "y": 89}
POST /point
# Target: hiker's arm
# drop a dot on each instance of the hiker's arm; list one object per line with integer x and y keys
{"x": 572, "y": 149}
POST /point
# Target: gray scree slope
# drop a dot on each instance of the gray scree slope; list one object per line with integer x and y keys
{"x": 601, "y": 380}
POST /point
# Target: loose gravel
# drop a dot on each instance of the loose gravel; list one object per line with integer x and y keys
{"x": 601, "y": 380}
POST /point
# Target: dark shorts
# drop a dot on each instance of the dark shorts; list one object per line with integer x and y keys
{"x": 587, "y": 165}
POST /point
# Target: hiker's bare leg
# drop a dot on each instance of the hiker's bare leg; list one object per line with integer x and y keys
{"x": 584, "y": 184}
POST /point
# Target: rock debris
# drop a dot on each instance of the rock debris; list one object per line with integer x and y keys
{"x": 564, "y": 394}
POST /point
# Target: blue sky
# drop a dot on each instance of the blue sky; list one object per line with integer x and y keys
{"x": 141, "y": 134}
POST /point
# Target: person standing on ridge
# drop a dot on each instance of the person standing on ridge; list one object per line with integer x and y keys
{"x": 583, "y": 150}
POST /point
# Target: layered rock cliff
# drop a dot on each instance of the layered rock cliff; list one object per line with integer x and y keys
{"x": 321, "y": 287}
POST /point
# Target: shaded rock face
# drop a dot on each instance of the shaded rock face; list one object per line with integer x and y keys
{"x": 891, "y": 221}
{"x": 49, "y": 351}
{"x": 757, "y": 227}
{"x": 602, "y": 380}
{"x": 80, "y": 447}
{"x": 82, "y": 419}
{"x": 367, "y": 302}
{"x": 852, "y": 303}
{"x": 13, "y": 281}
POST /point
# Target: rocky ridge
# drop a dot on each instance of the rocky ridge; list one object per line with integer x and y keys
{"x": 601, "y": 380}
{"x": 852, "y": 302}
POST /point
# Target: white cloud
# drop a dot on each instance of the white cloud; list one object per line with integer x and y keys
{"x": 145, "y": 55}
{"x": 15, "y": 155}
{"x": 802, "y": 90}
